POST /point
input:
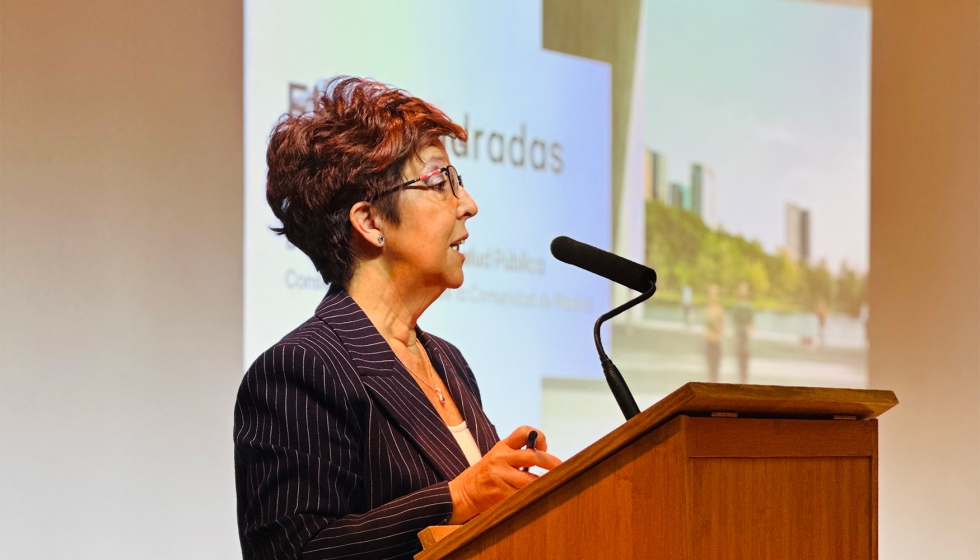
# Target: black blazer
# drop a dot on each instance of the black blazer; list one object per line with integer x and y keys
{"x": 338, "y": 452}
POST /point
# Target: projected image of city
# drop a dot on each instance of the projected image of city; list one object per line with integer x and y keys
{"x": 748, "y": 155}
{"x": 770, "y": 311}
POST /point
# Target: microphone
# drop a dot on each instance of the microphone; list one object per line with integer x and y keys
{"x": 613, "y": 267}
{"x": 622, "y": 271}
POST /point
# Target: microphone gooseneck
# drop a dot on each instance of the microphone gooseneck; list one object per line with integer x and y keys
{"x": 622, "y": 271}
{"x": 613, "y": 377}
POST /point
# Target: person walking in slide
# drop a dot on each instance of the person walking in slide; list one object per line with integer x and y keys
{"x": 714, "y": 328}
{"x": 687, "y": 298}
{"x": 744, "y": 320}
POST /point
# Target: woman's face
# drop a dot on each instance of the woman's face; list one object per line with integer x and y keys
{"x": 424, "y": 246}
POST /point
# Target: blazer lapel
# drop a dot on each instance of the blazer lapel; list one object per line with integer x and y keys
{"x": 449, "y": 368}
{"x": 392, "y": 387}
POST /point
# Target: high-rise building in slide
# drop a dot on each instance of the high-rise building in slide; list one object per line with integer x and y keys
{"x": 697, "y": 189}
{"x": 797, "y": 232}
{"x": 655, "y": 185}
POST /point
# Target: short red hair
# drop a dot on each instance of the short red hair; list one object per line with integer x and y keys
{"x": 352, "y": 146}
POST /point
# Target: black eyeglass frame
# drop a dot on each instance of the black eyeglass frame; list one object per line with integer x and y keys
{"x": 450, "y": 172}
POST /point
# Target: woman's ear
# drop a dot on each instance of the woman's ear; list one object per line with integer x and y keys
{"x": 367, "y": 224}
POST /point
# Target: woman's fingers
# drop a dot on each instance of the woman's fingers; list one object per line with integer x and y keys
{"x": 517, "y": 457}
{"x": 498, "y": 474}
{"x": 545, "y": 460}
{"x": 518, "y": 438}
{"x": 533, "y": 458}
{"x": 517, "y": 479}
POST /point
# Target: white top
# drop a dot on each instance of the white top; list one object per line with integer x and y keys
{"x": 466, "y": 442}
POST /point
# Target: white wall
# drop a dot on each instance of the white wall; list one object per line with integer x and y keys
{"x": 120, "y": 278}
{"x": 925, "y": 274}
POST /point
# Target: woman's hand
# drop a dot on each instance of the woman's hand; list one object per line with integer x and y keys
{"x": 498, "y": 475}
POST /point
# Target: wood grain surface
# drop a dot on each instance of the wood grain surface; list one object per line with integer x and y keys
{"x": 781, "y": 508}
{"x": 633, "y": 493}
{"x": 431, "y": 535}
{"x": 711, "y": 437}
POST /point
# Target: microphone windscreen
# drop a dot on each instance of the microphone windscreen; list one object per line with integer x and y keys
{"x": 622, "y": 271}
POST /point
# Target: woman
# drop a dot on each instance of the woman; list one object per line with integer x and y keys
{"x": 358, "y": 429}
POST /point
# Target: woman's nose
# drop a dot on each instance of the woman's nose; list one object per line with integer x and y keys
{"x": 467, "y": 206}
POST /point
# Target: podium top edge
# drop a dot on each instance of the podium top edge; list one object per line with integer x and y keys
{"x": 775, "y": 401}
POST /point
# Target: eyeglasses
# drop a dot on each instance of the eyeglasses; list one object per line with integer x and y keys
{"x": 434, "y": 180}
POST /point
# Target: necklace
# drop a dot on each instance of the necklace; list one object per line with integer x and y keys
{"x": 436, "y": 390}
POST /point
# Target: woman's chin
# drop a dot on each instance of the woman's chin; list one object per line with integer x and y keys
{"x": 454, "y": 281}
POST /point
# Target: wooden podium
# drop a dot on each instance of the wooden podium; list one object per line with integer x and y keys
{"x": 712, "y": 471}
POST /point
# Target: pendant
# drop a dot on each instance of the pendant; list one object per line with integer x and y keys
{"x": 442, "y": 399}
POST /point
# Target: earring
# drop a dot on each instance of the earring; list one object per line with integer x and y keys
{"x": 381, "y": 240}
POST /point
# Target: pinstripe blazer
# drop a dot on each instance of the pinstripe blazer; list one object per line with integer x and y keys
{"x": 338, "y": 452}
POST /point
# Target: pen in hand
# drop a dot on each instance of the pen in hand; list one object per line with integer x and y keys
{"x": 532, "y": 439}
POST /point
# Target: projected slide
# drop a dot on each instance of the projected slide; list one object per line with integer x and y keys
{"x": 756, "y": 140}
{"x": 537, "y": 163}
{"x": 746, "y": 187}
